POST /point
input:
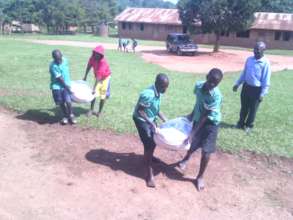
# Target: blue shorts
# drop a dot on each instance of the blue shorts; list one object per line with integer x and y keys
{"x": 146, "y": 134}
{"x": 61, "y": 96}
{"x": 206, "y": 138}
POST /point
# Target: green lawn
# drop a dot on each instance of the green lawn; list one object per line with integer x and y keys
{"x": 24, "y": 86}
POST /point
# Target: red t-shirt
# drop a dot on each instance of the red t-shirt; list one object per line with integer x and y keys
{"x": 101, "y": 68}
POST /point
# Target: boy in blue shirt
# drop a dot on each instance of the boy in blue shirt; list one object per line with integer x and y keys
{"x": 60, "y": 86}
{"x": 145, "y": 114}
{"x": 206, "y": 117}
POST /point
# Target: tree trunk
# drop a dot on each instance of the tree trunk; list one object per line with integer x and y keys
{"x": 217, "y": 42}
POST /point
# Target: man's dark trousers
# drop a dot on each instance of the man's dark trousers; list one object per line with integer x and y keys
{"x": 250, "y": 99}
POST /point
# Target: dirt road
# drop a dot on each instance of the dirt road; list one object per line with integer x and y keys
{"x": 228, "y": 60}
{"x": 50, "y": 171}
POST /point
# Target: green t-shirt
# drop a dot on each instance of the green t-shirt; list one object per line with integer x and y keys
{"x": 210, "y": 100}
{"x": 57, "y": 71}
{"x": 151, "y": 100}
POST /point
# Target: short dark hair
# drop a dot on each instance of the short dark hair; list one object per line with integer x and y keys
{"x": 161, "y": 77}
{"x": 55, "y": 52}
{"x": 216, "y": 73}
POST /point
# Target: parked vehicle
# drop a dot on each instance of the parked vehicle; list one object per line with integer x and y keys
{"x": 181, "y": 44}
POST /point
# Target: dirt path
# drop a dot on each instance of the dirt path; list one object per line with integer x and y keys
{"x": 228, "y": 60}
{"x": 54, "y": 172}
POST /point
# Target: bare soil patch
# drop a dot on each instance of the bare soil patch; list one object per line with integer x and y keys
{"x": 49, "y": 171}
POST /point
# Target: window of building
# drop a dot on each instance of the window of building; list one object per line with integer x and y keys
{"x": 123, "y": 25}
{"x": 286, "y": 35}
{"x": 130, "y": 26}
{"x": 243, "y": 34}
{"x": 278, "y": 35}
{"x": 141, "y": 27}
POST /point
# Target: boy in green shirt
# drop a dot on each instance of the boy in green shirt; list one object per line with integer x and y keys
{"x": 145, "y": 114}
{"x": 60, "y": 86}
{"x": 206, "y": 117}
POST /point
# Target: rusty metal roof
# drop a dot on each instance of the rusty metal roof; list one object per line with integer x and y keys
{"x": 263, "y": 20}
{"x": 150, "y": 15}
{"x": 273, "y": 21}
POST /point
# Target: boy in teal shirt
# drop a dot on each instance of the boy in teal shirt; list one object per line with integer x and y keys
{"x": 145, "y": 114}
{"x": 60, "y": 86}
{"x": 206, "y": 117}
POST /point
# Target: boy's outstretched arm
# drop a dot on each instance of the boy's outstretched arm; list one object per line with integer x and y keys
{"x": 88, "y": 68}
{"x": 95, "y": 86}
{"x": 199, "y": 125}
{"x": 145, "y": 117}
{"x": 162, "y": 117}
{"x": 61, "y": 80}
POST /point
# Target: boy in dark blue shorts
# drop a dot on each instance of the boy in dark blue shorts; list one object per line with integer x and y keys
{"x": 145, "y": 114}
{"x": 60, "y": 86}
{"x": 206, "y": 117}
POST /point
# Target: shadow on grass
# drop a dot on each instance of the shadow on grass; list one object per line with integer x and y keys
{"x": 132, "y": 164}
{"x": 226, "y": 125}
{"x": 48, "y": 116}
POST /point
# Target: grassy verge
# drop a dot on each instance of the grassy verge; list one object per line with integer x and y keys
{"x": 24, "y": 86}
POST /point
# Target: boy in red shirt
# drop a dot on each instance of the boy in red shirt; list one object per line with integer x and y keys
{"x": 102, "y": 74}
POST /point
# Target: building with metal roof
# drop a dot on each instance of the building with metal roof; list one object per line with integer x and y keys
{"x": 276, "y": 29}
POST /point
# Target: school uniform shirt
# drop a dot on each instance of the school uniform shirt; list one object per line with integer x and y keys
{"x": 59, "y": 70}
{"x": 256, "y": 73}
{"x": 210, "y": 100}
{"x": 149, "y": 98}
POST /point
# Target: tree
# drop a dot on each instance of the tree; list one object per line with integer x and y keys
{"x": 58, "y": 15}
{"x": 122, "y": 4}
{"x": 282, "y": 6}
{"x": 218, "y": 16}
{"x": 98, "y": 11}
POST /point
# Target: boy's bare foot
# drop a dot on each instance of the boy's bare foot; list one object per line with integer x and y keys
{"x": 199, "y": 183}
{"x": 150, "y": 182}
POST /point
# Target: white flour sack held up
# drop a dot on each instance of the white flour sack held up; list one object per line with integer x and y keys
{"x": 81, "y": 92}
{"x": 173, "y": 133}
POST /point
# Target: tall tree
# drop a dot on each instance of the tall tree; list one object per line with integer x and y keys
{"x": 99, "y": 11}
{"x": 218, "y": 16}
{"x": 285, "y": 6}
{"x": 58, "y": 15}
{"x": 122, "y": 4}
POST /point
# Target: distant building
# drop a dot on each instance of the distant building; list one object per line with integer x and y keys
{"x": 30, "y": 28}
{"x": 18, "y": 27}
{"x": 148, "y": 23}
{"x": 276, "y": 29}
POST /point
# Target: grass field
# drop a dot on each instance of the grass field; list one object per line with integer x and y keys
{"x": 24, "y": 86}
